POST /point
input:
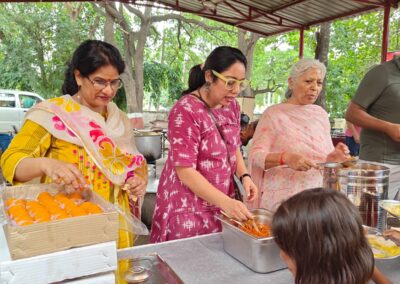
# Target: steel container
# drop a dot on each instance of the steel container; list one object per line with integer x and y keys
{"x": 365, "y": 185}
{"x": 149, "y": 144}
{"x": 259, "y": 254}
{"x": 330, "y": 175}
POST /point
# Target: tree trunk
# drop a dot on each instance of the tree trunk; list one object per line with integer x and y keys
{"x": 247, "y": 45}
{"x": 321, "y": 53}
{"x": 139, "y": 57}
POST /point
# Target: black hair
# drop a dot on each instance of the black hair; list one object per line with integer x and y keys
{"x": 87, "y": 58}
{"x": 220, "y": 59}
{"x": 321, "y": 231}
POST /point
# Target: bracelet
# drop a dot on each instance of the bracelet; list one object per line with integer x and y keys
{"x": 281, "y": 162}
{"x": 243, "y": 176}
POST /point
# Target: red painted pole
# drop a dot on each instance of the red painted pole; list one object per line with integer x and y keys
{"x": 385, "y": 36}
{"x": 301, "y": 47}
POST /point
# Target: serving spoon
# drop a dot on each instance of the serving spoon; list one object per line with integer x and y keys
{"x": 253, "y": 223}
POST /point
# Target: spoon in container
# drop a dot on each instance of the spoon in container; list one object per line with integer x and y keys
{"x": 230, "y": 218}
{"x": 253, "y": 223}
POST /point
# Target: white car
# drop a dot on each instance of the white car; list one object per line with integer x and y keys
{"x": 13, "y": 106}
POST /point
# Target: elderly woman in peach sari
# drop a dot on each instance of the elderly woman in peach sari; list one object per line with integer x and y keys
{"x": 292, "y": 138}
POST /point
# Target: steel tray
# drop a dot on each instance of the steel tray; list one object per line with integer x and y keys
{"x": 259, "y": 254}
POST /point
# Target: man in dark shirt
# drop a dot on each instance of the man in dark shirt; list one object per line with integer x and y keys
{"x": 376, "y": 108}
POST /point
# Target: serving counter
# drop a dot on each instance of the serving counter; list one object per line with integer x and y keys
{"x": 202, "y": 259}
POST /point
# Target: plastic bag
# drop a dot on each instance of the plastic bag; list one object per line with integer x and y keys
{"x": 132, "y": 224}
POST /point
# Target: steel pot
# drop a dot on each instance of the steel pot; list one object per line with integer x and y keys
{"x": 366, "y": 185}
{"x": 149, "y": 145}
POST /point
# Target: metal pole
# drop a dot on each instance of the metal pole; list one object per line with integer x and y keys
{"x": 385, "y": 35}
{"x": 301, "y": 47}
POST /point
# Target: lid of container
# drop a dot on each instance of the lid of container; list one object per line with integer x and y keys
{"x": 137, "y": 274}
{"x": 146, "y": 133}
{"x": 365, "y": 170}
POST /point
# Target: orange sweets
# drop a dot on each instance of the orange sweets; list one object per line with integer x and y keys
{"x": 44, "y": 196}
{"x": 46, "y": 208}
{"x": 65, "y": 203}
{"x": 78, "y": 211}
{"x": 20, "y": 215}
{"x": 37, "y": 211}
{"x": 13, "y": 201}
{"x": 76, "y": 196}
{"x": 91, "y": 208}
{"x": 59, "y": 214}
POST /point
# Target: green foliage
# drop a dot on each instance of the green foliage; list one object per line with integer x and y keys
{"x": 38, "y": 39}
{"x": 38, "y": 42}
{"x": 162, "y": 83}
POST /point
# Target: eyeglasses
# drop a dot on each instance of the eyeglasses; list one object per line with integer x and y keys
{"x": 230, "y": 83}
{"x": 101, "y": 84}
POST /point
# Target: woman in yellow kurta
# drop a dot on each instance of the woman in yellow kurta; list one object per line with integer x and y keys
{"x": 83, "y": 138}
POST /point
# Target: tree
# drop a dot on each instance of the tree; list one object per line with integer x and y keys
{"x": 134, "y": 43}
{"x": 321, "y": 53}
{"x": 36, "y": 44}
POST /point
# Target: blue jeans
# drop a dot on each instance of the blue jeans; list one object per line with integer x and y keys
{"x": 353, "y": 146}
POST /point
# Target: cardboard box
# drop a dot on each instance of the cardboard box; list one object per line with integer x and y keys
{"x": 58, "y": 235}
{"x": 86, "y": 262}
{"x": 104, "y": 278}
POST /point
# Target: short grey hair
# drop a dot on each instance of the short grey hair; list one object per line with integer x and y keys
{"x": 301, "y": 67}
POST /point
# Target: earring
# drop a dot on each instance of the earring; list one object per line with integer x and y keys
{"x": 207, "y": 85}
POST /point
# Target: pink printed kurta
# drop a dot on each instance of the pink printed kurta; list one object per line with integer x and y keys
{"x": 195, "y": 142}
{"x": 301, "y": 129}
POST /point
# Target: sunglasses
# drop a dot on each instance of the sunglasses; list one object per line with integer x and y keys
{"x": 231, "y": 83}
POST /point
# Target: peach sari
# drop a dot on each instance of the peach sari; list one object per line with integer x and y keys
{"x": 301, "y": 129}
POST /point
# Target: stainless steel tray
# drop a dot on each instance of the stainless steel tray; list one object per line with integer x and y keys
{"x": 259, "y": 254}
{"x": 152, "y": 269}
{"x": 389, "y": 206}
{"x": 372, "y": 233}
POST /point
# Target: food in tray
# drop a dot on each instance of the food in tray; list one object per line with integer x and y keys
{"x": 383, "y": 248}
{"x": 264, "y": 230}
{"x": 47, "y": 207}
{"x": 392, "y": 208}
{"x": 350, "y": 162}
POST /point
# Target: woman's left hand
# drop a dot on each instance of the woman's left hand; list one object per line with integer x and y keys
{"x": 340, "y": 154}
{"x": 250, "y": 188}
{"x": 136, "y": 186}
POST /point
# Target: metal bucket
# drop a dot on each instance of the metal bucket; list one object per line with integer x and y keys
{"x": 365, "y": 185}
{"x": 149, "y": 145}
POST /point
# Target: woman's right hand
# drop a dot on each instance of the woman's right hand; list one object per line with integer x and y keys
{"x": 298, "y": 162}
{"x": 62, "y": 172}
{"x": 237, "y": 210}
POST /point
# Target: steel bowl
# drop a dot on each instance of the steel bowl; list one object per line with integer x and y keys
{"x": 149, "y": 144}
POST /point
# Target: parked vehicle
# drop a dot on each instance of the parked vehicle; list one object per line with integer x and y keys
{"x": 13, "y": 106}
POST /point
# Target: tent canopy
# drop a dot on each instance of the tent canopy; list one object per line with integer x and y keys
{"x": 265, "y": 17}
{"x": 270, "y": 17}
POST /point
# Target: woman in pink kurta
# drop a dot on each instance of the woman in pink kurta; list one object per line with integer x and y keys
{"x": 196, "y": 181}
{"x": 291, "y": 138}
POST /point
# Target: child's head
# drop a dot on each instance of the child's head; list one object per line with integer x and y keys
{"x": 320, "y": 234}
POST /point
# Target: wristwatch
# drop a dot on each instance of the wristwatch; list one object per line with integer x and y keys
{"x": 243, "y": 176}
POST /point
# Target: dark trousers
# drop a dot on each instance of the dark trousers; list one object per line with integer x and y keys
{"x": 353, "y": 146}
